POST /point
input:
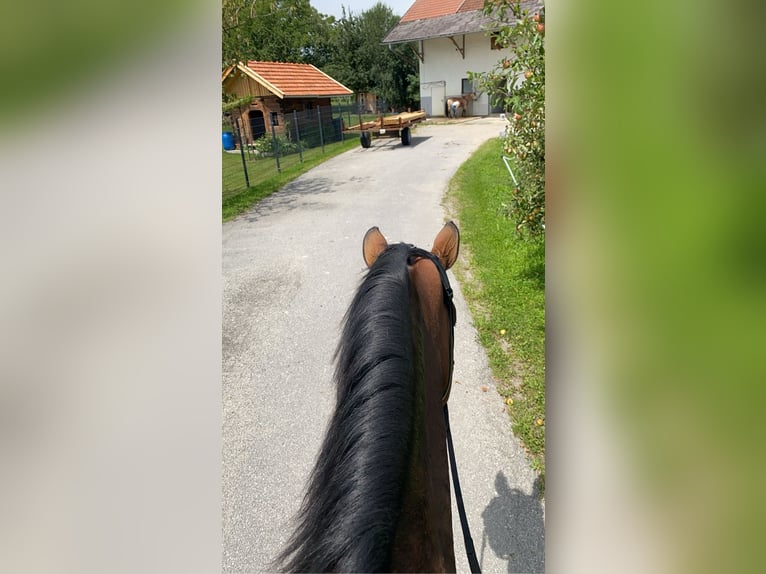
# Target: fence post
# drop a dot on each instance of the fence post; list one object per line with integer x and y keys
{"x": 275, "y": 145}
{"x": 242, "y": 152}
{"x": 321, "y": 135}
{"x": 298, "y": 135}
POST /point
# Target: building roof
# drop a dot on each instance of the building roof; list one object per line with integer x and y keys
{"x": 438, "y": 26}
{"x": 439, "y": 18}
{"x": 433, "y": 8}
{"x": 288, "y": 80}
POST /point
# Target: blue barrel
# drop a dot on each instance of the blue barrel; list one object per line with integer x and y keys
{"x": 228, "y": 140}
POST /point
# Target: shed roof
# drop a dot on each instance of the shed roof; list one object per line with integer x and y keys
{"x": 289, "y": 80}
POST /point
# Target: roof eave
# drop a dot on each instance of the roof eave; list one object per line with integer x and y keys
{"x": 430, "y": 36}
{"x": 227, "y": 71}
{"x": 297, "y": 96}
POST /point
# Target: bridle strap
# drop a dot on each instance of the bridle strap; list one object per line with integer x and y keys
{"x": 447, "y": 290}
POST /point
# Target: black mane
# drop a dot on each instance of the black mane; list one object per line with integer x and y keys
{"x": 349, "y": 515}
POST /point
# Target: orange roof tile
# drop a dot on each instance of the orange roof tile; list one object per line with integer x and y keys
{"x": 298, "y": 79}
{"x": 469, "y": 5}
{"x": 422, "y": 9}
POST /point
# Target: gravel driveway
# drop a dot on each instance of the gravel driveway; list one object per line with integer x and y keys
{"x": 290, "y": 268}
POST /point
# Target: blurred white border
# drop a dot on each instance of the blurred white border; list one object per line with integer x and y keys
{"x": 110, "y": 319}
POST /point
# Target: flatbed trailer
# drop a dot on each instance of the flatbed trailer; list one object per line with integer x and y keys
{"x": 396, "y": 126}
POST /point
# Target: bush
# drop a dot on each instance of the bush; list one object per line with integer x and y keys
{"x": 264, "y": 145}
{"x": 517, "y": 84}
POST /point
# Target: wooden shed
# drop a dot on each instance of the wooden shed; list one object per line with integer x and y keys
{"x": 278, "y": 88}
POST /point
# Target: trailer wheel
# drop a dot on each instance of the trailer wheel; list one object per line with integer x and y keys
{"x": 365, "y": 139}
{"x": 406, "y": 136}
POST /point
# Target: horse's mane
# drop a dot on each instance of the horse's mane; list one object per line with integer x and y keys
{"x": 348, "y": 519}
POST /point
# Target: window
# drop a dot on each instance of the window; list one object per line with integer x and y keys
{"x": 467, "y": 86}
{"x": 494, "y": 43}
{"x": 274, "y": 118}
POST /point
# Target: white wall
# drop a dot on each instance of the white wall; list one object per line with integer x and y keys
{"x": 443, "y": 62}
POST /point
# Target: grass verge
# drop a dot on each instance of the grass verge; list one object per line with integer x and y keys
{"x": 264, "y": 179}
{"x": 503, "y": 280}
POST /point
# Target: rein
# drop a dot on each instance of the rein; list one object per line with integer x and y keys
{"x": 416, "y": 252}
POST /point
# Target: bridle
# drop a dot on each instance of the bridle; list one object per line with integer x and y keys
{"x": 416, "y": 252}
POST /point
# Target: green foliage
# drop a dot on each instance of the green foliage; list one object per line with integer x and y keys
{"x": 274, "y": 30}
{"x": 348, "y": 49}
{"x": 264, "y": 145}
{"x": 517, "y": 84}
{"x": 235, "y": 104}
{"x": 363, "y": 64}
{"x": 413, "y": 89}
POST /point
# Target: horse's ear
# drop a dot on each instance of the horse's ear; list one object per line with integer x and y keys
{"x": 373, "y": 245}
{"x": 447, "y": 245}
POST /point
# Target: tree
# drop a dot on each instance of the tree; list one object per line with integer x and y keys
{"x": 517, "y": 83}
{"x": 274, "y": 30}
{"x": 360, "y": 61}
{"x": 348, "y": 49}
{"x": 389, "y": 66}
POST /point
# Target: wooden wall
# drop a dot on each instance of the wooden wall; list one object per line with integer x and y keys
{"x": 283, "y": 108}
{"x": 241, "y": 85}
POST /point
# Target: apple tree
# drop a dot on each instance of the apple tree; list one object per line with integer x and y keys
{"x": 517, "y": 84}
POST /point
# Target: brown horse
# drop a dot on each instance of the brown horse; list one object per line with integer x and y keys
{"x": 379, "y": 497}
{"x": 456, "y": 105}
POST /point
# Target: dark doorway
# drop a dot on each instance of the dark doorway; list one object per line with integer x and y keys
{"x": 257, "y": 126}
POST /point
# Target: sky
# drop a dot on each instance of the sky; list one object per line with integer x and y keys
{"x": 333, "y": 7}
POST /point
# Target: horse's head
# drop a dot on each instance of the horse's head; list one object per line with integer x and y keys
{"x": 379, "y": 496}
{"x": 428, "y": 275}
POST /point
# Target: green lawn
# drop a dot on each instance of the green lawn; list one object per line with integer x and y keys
{"x": 503, "y": 279}
{"x": 264, "y": 179}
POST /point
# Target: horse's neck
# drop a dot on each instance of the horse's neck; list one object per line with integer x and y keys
{"x": 423, "y": 541}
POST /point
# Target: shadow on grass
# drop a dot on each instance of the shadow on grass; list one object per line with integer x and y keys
{"x": 534, "y": 267}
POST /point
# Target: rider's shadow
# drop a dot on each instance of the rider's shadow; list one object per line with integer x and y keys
{"x": 514, "y": 528}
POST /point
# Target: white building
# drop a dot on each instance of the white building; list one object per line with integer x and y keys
{"x": 450, "y": 38}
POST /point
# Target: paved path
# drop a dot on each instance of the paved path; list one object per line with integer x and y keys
{"x": 290, "y": 268}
